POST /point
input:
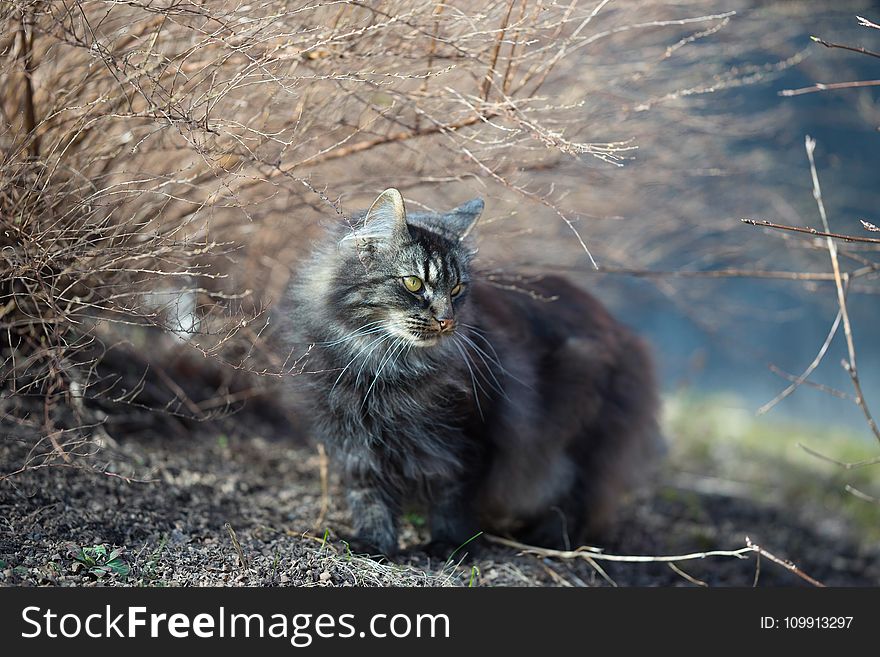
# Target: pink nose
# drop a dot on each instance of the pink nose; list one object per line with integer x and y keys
{"x": 446, "y": 324}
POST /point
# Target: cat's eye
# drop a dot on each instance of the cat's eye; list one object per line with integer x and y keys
{"x": 412, "y": 283}
{"x": 456, "y": 290}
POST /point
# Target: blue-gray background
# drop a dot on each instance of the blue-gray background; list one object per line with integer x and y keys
{"x": 708, "y": 158}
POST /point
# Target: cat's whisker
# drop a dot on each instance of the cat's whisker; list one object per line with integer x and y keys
{"x": 373, "y": 327}
{"x": 395, "y": 347}
{"x": 339, "y": 378}
{"x": 368, "y": 334}
{"x": 494, "y": 384}
{"x": 483, "y": 356}
{"x": 348, "y": 336}
{"x": 369, "y": 355}
{"x": 478, "y": 332}
{"x": 474, "y": 382}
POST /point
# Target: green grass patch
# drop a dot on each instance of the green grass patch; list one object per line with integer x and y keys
{"x": 721, "y": 437}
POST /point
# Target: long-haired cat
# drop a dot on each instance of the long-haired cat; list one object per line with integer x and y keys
{"x": 516, "y": 412}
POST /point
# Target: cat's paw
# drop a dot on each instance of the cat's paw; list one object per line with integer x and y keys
{"x": 364, "y": 547}
{"x": 449, "y": 551}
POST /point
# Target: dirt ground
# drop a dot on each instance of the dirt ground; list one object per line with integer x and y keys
{"x": 242, "y": 473}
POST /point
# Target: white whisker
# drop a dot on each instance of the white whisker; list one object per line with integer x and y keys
{"x": 373, "y": 327}
{"x": 395, "y": 347}
{"x": 387, "y": 336}
{"x": 478, "y": 332}
{"x": 474, "y": 382}
{"x": 339, "y": 378}
{"x": 483, "y": 356}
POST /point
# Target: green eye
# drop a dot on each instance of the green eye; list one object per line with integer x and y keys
{"x": 456, "y": 290}
{"x": 412, "y": 283}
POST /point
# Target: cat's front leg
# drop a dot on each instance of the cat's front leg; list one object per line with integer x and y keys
{"x": 452, "y": 521}
{"x": 374, "y": 516}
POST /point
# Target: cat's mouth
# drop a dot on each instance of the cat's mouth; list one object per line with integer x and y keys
{"x": 428, "y": 337}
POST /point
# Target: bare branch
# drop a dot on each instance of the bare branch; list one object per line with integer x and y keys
{"x": 857, "y": 49}
{"x": 811, "y": 231}
{"x": 832, "y": 86}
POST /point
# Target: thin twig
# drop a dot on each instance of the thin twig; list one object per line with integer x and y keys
{"x": 849, "y": 366}
{"x": 834, "y": 392}
{"x": 690, "y": 578}
{"x": 490, "y": 74}
{"x": 852, "y": 490}
{"x": 788, "y": 565}
{"x": 30, "y": 112}
{"x": 709, "y": 273}
{"x": 846, "y": 465}
{"x": 242, "y": 559}
{"x": 587, "y": 553}
{"x": 864, "y": 22}
{"x": 602, "y": 573}
{"x": 820, "y": 86}
{"x": 807, "y": 372}
{"x": 857, "y": 49}
{"x": 556, "y": 577}
{"x": 593, "y": 553}
{"x": 811, "y": 231}
{"x": 323, "y": 468}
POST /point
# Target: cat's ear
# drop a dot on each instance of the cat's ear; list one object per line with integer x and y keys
{"x": 462, "y": 219}
{"x": 386, "y": 218}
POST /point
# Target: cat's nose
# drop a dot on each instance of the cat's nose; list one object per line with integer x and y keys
{"x": 445, "y": 323}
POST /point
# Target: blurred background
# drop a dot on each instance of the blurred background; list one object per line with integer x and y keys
{"x": 738, "y": 152}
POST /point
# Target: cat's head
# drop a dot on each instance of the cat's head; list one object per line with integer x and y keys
{"x": 414, "y": 274}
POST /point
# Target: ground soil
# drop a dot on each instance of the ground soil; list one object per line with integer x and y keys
{"x": 245, "y": 477}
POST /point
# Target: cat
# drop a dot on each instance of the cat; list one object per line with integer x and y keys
{"x": 503, "y": 410}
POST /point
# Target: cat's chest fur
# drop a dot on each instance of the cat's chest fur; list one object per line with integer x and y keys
{"x": 398, "y": 414}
